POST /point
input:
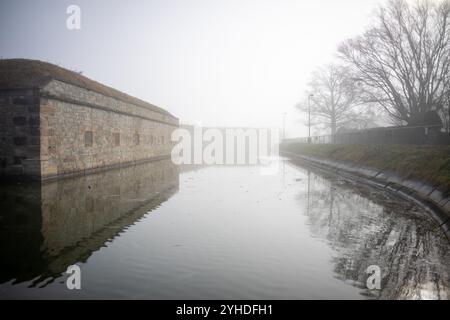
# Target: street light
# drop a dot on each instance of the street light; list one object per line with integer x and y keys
{"x": 309, "y": 117}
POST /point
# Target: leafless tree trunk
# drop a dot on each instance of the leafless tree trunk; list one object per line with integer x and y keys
{"x": 335, "y": 98}
{"x": 403, "y": 61}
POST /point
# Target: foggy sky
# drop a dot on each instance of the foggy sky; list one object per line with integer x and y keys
{"x": 210, "y": 62}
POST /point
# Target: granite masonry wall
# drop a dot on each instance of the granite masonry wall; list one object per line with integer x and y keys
{"x": 19, "y": 132}
{"x": 62, "y": 129}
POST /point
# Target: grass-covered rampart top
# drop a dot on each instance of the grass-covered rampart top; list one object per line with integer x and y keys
{"x": 427, "y": 163}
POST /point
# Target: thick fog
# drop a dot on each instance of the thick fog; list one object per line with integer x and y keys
{"x": 211, "y": 62}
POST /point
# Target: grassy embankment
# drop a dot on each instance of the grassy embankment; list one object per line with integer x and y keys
{"x": 427, "y": 163}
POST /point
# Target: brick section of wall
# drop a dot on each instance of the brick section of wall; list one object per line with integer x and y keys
{"x": 19, "y": 133}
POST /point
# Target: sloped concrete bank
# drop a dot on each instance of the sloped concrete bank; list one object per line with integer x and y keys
{"x": 427, "y": 196}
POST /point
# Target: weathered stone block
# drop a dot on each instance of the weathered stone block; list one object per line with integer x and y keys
{"x": 19, "y": 121}
{"x": 27, "y": 100}
{"x": 33, "y": 121}
{"x": 35, "y": 131}
{"x": 48, "y": 110}
{"x": 20, "y": 141}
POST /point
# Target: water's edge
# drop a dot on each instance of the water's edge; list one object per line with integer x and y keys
{"x": 426, "y": 196}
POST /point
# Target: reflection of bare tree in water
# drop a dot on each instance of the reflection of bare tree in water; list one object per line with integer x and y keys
{"x": 392, "y": 233}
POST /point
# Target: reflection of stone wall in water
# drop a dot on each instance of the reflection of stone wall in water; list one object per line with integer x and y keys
{"x": 45, "y": 228}
{"x": 403, "y": 242}
{"x": 20, "y": 236}
{"x": 75, "y": 209}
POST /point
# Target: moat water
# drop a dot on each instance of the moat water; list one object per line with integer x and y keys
{"x": 154, "y": 231}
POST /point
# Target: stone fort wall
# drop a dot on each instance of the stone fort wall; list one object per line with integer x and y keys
{"x": 19, "y": 132}
{"x": 63, "y": 129}
{"x": 82, "y": 130}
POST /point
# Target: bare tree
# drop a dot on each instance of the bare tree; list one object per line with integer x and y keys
{"x": 403, "y": 61}
{"x": 335, "y": 99}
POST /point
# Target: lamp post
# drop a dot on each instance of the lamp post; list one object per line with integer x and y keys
{"x": 309, "y": 117}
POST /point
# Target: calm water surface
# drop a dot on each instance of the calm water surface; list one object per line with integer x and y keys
{"x": 151, "y": 231}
